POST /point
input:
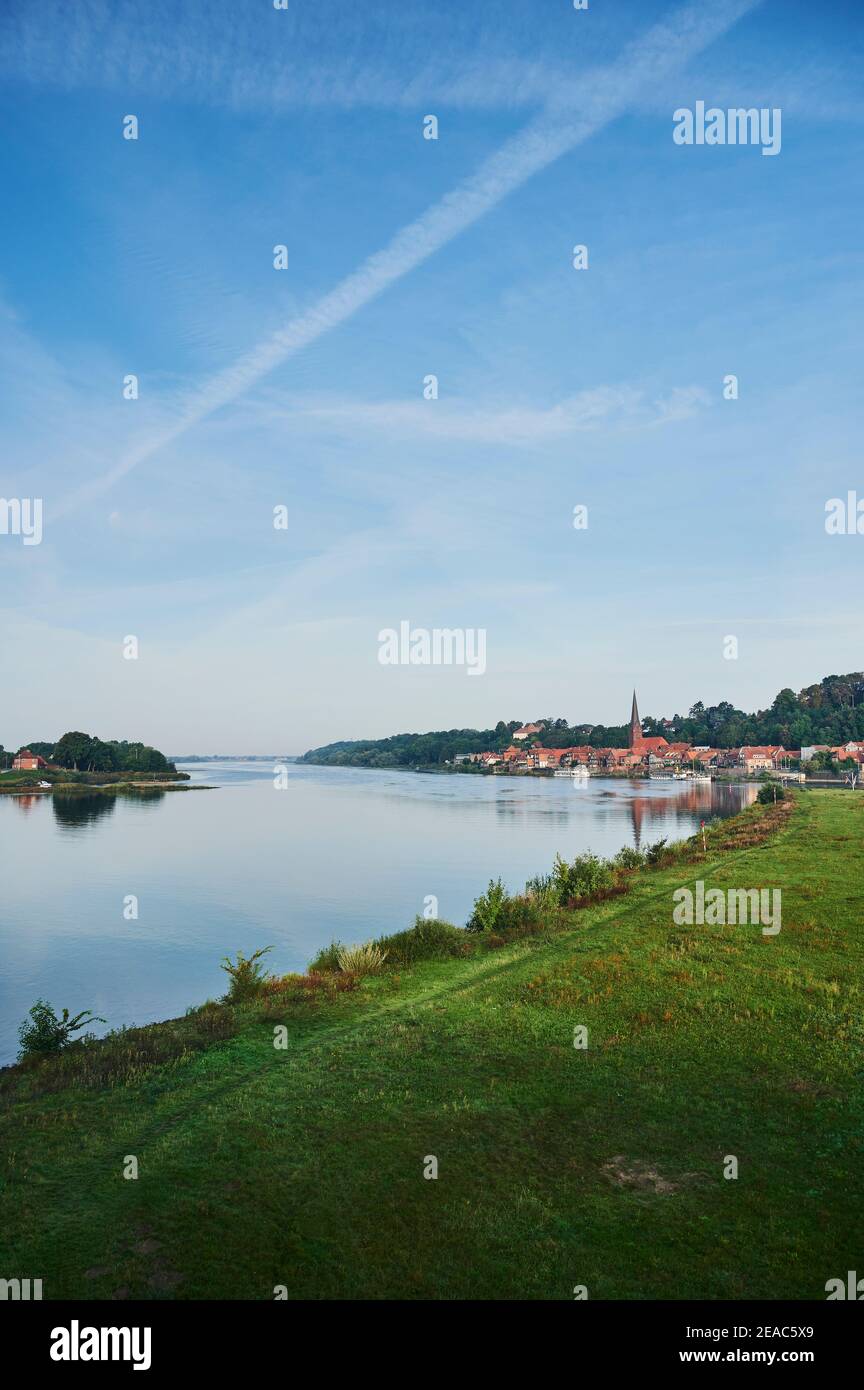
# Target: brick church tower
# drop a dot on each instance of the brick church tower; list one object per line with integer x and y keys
{"x": 635, "y": 726}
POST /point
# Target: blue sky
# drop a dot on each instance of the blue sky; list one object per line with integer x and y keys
{"x": 556, "y": 387}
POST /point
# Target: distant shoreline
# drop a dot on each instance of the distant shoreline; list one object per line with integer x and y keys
{"x": 547, "y": 774}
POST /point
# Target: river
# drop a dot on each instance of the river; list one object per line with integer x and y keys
{"x": 335, "y": 853}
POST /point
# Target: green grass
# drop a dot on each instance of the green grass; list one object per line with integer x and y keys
{"x": 303, "y": 1167}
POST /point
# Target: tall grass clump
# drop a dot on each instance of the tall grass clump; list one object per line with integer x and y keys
{"x": 542, "y": 890}
{"x": 365, "y": 959}
{"x": 248, "y": 977}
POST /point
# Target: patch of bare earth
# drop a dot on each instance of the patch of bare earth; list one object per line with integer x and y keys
{"x": 632, "y": 1173}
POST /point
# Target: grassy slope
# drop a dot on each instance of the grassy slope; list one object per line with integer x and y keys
{"x": 556, "y": 1166}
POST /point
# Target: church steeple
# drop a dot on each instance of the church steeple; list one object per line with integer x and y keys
{"x": 635, "y": 724}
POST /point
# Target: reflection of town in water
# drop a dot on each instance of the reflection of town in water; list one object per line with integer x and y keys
{"x": 704, "y": 800}
{"x": 650, "y": 814}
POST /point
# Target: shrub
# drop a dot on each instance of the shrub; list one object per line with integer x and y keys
{"x": 629, "y": 858}
{"x": 487, "y": 908}
{"x": 327, "y": 959}
{"x": 247, "y": 977}
{"x": 428, "y": 939}
{"x": 654, "y": 853}
{"x": 46, "y": 1033}
{"x": 365, "y": 959}
{"x": 523, "y": 915}
{"x": 588, "y": 874}
{"x": 770, "y": 793}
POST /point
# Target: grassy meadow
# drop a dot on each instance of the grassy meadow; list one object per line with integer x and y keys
{"x": 303, "y": 1167}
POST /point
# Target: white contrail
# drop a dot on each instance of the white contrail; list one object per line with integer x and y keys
{"x": 604, "y": 95}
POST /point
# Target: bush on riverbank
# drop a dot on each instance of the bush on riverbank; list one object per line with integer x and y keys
{"x": 770, "y": 794}
{"x": 48, "y": 1033}
{"x": 488, "y": 908}
{"x": 248, "y": 977}
{"x": 587, "y": 875}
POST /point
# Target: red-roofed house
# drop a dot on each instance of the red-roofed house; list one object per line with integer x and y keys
{"x": 25, "y": 761}
{"x": 761, "y": 758}
{"x": 528, "y": 731}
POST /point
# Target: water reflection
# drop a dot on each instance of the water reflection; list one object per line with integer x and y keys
{"x": 706, "y": 800}
{"x": 77, "y": 810}
{"x": 26, "y": 800}
{"x": 673, "y": 812}
{"x": 145, "y": 797}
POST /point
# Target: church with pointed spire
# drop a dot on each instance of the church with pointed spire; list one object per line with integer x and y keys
{"x": 639, "y": 744}
{"x": 635, "y": 725}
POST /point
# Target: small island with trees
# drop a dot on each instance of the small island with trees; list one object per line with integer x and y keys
{"x": 79, "y": 759}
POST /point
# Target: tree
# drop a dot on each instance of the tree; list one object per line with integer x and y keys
{"x": 73, "y": 750}
{"x": 823, "y": 761}
{"x": 86, "y": 753}
{"x": 41, "y": 749}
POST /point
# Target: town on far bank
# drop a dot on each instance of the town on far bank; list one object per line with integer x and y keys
{"x": 657, "y": 757}
{"x": 816, "y": 732}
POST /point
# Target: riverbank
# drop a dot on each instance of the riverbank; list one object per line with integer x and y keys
{"x": 65, "y": 778}
{"x": 303, "y": 1166}
{"x": 729, "y": 777}
{"x": 26, "y": 782}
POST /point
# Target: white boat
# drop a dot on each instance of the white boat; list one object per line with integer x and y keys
{"x": 579, "y": 771}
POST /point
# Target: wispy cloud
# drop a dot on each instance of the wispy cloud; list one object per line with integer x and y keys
{"x": 602, "y": 97}
{"x": 616, "y": 407}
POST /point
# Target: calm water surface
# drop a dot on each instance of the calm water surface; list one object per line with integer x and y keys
{"x": 339, "y": 853}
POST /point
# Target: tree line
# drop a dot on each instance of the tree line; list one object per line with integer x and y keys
{"x": 830, "y": 712}
{"x": 79, "y": 752}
